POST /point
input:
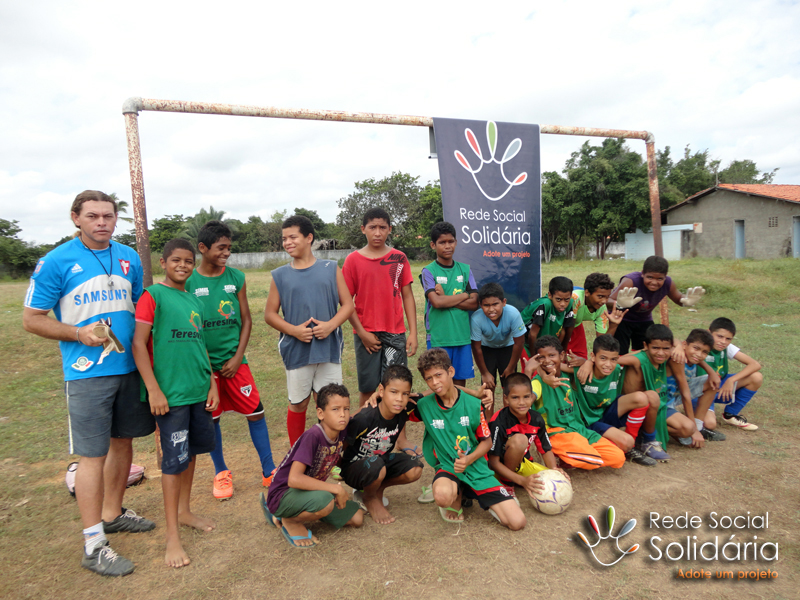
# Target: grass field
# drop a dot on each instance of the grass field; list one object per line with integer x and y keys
{"x": 419, "y": 556}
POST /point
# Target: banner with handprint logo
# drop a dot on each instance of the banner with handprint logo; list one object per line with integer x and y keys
{"x": 491, "y": 193}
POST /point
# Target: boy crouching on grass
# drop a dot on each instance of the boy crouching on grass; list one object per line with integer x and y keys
{"x": 368, "y": 465}
{"x": 171, "y": 356}
{"x": 456, "y": 442}
{"x": 299, "y": 493}
{"x": 514, "y": 430}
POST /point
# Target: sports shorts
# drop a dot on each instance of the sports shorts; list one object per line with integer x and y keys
{"x": 185, "y": 431}
{"x": 100, "y": 408}
{"x": 238, "y": 393}
{"x": 364, "y": 471}
{"x": 496, "y": 361}
{"x": 296, "y": 501}
{"x": 575, "y": 450}
{"x": 370, "y": 367}
{"x": 610, "y": 419}
{"x": 461, "y": 358}
{"x": 301, "y": 382}
{"x": 486, "y": 498}
{"x": 630, "y": 334}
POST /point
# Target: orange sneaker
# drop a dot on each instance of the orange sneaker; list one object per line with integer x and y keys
{"x": 267, "y": 481}
{"x": 223, "y": 485}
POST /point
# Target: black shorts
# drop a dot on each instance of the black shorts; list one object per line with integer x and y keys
{"x": 486, "y": 498}
{"x": 631, "y": 334}
{"x": 496, "y": 360}
{"x": 186, "y": 431}
{"x": 364, "y": 471}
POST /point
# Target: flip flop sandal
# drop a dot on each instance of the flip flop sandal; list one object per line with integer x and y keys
{"x": 427, "y": 495}
{"x": 268, "y": 515}
{"x": 415, "y": 450}
{"x": 443, "y": 511}
{"x": 292, "y": 539}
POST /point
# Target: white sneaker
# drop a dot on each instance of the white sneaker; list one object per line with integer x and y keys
{"x": 740, "y": 422}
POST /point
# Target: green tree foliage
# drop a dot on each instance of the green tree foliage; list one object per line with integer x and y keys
{"x": 745, "y": 171}
{"x": 127, "y": 239}
{"x": 122, "y": 208}
{"x": 16, "y": 255}
{"x": 397, "y": 194}
{"x": 165, "y": 229}
{"x": 555, "y": 191}
{"x": 193, "y": 224}
{"x": 320, "y": 227}
{"x": 427, "y": 213}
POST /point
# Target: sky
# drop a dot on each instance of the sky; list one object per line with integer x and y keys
{"x": 716, "y": 75}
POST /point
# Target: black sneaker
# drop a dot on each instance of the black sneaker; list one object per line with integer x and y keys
{"x": 104, "y": 561}
{"x": 130, "y": 522}
{"x": 635, "y": 455}
{"x": 711, "y": 435}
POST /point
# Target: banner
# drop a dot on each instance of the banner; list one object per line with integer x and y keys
{"x": 492, "y": 194}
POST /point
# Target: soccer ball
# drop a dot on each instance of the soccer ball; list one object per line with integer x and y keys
{"x": 557, "y": 493}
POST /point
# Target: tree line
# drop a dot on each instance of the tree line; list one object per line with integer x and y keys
{"x": 601, "y": 194}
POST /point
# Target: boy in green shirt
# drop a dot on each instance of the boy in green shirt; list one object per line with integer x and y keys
{"x": 450, "y": 292}
{"x": 552, "y": 314}
{"x": 226, "y": 329}
{"x": 171, "y": 357}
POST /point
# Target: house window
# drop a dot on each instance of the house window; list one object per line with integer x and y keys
{"x": 773, "y": 221}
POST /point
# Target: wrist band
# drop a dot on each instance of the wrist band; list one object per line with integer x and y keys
{"x": 78, "y": 335}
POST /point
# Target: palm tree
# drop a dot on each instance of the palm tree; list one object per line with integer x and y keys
{"x": 122, "y": 207}
{"x": 195, "y": 223}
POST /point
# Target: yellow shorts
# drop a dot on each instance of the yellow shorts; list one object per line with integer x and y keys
{"x": 528, "y": 468}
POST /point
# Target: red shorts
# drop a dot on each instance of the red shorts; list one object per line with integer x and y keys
{"x": 577, "y": 342}
{"x": 238, "y": 393}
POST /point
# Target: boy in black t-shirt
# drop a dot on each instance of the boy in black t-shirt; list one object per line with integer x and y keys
{"x": 514, "y": 430}
{"x": 368, "y": 462}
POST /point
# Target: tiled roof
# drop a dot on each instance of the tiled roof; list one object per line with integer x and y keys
{"x": 789, "y": 193}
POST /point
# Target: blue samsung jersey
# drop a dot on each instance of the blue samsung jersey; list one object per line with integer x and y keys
{"x": 72, "y": 283}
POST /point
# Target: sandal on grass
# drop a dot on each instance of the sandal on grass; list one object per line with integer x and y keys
{"x": 427, "y": 495}
{"x": 443, "y": 510}
{"x": 292, "y": 539}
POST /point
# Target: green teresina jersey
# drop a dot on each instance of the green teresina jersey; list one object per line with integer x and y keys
{"x": 596, "y": 395}
{"x": 449, "y": 428}
{"x": 582, "y": 312}
{"x": 222, "y": 321}
{"x": 180, "y": 360}
{"x": 718, "y": 360}
{"x": 655, "y": 379}
{"x": 558, "y": 409}
{"x": 447, "y": 326}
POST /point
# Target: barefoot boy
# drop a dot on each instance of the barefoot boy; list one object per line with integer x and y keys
{"x": 314, "y": 300}
{"x": 226, "y": 329}
{"x": 379, "y": 279}
{"x": 299, "y": 493}
{"x": 450, "y": 293}
{"x": 368, "y": 462}
{"x": 514, "y": 430}
{"x": 571, "y": 441}
{"x": 456, "y": 442}
{"x": 171, "y": 356}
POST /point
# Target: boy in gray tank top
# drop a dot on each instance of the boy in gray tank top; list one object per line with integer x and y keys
{"x": 314, "y": 301}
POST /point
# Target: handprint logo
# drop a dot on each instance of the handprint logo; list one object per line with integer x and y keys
{"x": 626, "y": 529}
{"x": 511, "y": 151}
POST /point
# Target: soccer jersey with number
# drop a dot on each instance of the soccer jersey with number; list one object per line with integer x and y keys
{"x": 595, "y": 396}
{"x": 222, "y": 319}
{"x": 176, "y": 346}
{"x": 447, "y": 326}
{"x": 557, "y": 406}
{"x": 75, "y": 285}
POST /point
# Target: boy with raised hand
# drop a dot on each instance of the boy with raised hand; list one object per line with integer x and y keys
{"x": 735, "y": 389}
{"x": 515, "y": 428}
{"x": 456, "y": 442}
{"x": 171, "y": 356}
{"x": 640, "y": 292}
{"x": 223, "y": 293}
{"x": 314, "y": 299}
{"x": 551, "y": 315}
{"x": 694, "y": 393}
{"x": 589, "y": 304}
{"x": 368, "y": 462}
{"x": 379, "y": 280}
{"x": 299, "y": 493}
{"x": 450, "y": 292}
{"x": 616, "y": 416}
{"x": 498, "y": 336}
{"x": 571, "y": 441}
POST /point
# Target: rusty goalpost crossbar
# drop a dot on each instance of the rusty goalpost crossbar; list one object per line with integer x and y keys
{"x": 133, "y": 106}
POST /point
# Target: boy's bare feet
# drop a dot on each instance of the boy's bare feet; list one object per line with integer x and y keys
{"x": 192, "y": 520}
{"x": 377, "y": 510}
{"x": 296, "y": 529}
{"x": 175, "y": 556}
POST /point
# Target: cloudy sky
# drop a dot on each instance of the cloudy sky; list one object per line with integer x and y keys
{"x": 721, "y": 75}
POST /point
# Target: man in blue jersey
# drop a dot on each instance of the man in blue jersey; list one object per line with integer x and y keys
{"x": 91, "y": 284}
